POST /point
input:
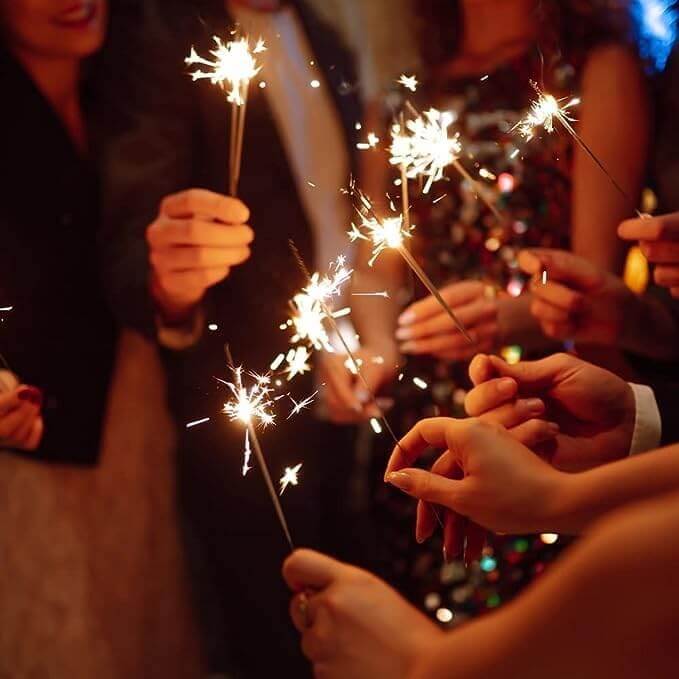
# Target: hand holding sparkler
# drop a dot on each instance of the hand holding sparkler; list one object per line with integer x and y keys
{"x": 590, "y": 305}
{"x": 388, "y": 234}
{"x": 232, "y": 68}
{"x": 426, "y": 329}
{"x": 21, "y": 423}
{"x": 197, "y": 237}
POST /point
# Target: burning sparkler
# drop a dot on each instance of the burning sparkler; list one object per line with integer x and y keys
{"x": 302, "y": 405}
{"x": 543, "y": 113}
{"x": 424, "y": 146}
{"x": 290, "y": 478}
{"x": 251, "y": 407}
{"x": 408, "y": 81}
{"x": 232, "y": 68}
{"x": 389, "y": 234}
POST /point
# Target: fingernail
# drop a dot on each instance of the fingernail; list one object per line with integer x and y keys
{"x": 363, "y": 396}
{"x": 357, "y": 408}
{"x": 419, "y": 539}
{"x": 534, "y": 406}
{"x": 403, "y": 333}
{"x": 31, "y": 394}
{"x": 408, "y": 347}
{"x": 406, "y": 318}
{"x": 446, "y": 557}
{"x": 506, "y": 386}
{"x": 553, "y": 428}
{"x": 401, "y": 480}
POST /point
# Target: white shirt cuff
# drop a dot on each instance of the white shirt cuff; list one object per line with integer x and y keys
{"x": 647, "y": 422}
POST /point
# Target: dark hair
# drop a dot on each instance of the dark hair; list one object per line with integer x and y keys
{"x": 567, "y": 27}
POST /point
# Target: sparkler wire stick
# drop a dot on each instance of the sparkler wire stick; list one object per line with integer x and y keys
{"x": 350, "y": 354}
{"x": 254, "y": 440}
{"x": 476, "y": 186}
{"x": 415, "y": 267}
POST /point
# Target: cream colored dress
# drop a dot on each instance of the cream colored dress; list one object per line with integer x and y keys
{"x": 92, "y": 578}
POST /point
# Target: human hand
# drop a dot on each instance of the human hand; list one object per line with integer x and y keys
{"x": 578, "y": 301}
{"x": 345, "y": 396}
{"x": 594, "y": 409}
{"x": 501, "y": 484}
{"x": 353, "y": 624}
{"x": 194, "y": 242}
{"x": 659, "y": 241}
{"x": 21, "y": 425}
{"x": 425, "y": 328}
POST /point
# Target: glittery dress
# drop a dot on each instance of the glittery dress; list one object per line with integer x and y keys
{"x": 458, "y": 238}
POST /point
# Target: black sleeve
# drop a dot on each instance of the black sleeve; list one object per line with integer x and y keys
{"x": 145, "y": 151}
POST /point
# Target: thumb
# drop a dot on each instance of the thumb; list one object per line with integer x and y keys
{"x": 563, "y": 267}
{"x": 306, "y": 569}
{"x": 540, "y": 374}
{"x": 8, "y": 381}
{"x": 426, "y": 486}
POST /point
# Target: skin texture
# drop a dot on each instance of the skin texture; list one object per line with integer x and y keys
{"x": 21, "y": 425}
{"x": 613, "y": 86}
{"x": 658, "y": 238}
{"x": 571, "y": 623}
{"x": 583, "y": 302}
{"x": 194, "y": 242}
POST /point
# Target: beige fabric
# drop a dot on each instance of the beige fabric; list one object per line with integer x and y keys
{"x": 92, "y": 581}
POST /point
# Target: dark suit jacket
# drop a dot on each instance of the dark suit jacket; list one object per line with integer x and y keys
{"x": 60, "y": 334}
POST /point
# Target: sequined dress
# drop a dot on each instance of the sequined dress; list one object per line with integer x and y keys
{"x": 458, "y": 238}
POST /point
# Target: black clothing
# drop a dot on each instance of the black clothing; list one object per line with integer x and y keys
{"x": 60, "y": 335}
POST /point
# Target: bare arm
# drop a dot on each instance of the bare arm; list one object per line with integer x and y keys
{"x": 614, "y": 123}
{"x": 583, "y": 619}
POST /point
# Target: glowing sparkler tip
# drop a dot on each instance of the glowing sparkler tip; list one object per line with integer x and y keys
{"x": 290, "y": 477}
{"x": 408, "y": 81}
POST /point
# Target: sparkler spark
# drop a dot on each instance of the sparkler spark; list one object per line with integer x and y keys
{"x": 424, "y": 146}
{"x": 544, "y": 111}
{"x": 302, "y": 405}
{"x": 290, "y": 478}
{"x": 233, "y": 68}
{"x": 389, "y": 234}
{"x": 297, "y": 362}
{"x": 195, "y": 423}
{"x": 251, "y": 406}
{"x": 383, "y": 293}
{"x": 308, "y": 305}
{"x": 234, "y": 65}
{"x": 408, "y": 81}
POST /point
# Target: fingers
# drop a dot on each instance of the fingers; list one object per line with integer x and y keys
{"x": 475, "y": 541}
{"x": 490, "y": 394}
{"x": 426, "y": 486}
{"x": 192, "y": 283}
{"x": 453, "y": 535}
{"x": 455, "y": 295}
{"x": 340, "y": 394}
{"x": 15, "y": 422}
{"x": 563, "y": 267}
{"x": 170, "y": 260}
{"x": 558, "y": 296}
{"x": 470, "y": 315}
{"x": 33, "y": 439}
{"x": 481, "y": 369}
{"x": 664, "y": 252}
{"x": 536, "y": 375}
{"x": 534, "y": 432}
{"x": 664, "y": 227}
{"x": 666, "y": 276}
{"x": 306, "y": 569}
{"x": 9, "y": 401}
{"x": 8, "y": 381}
{"x": 366, "y": 388}
{"x": 424, "y": 435}
{"x": 166, "y": 232}
{"x": 453, "y": 343}
{"x": 207, "y": 204}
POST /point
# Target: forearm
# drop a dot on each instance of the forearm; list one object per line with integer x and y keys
{"x": 583, "y": 498}
{"x": 571, "y": 623}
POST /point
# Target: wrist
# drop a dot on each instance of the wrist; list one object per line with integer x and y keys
{"x": 562, "y": 507}
{"x": 172, "y": 311}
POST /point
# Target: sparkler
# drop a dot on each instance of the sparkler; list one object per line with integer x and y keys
{"x": 233, "y": 67}
{"x": 302, "y": 405}
{"x": 355, "y": 362}
{"x": 408, "y": 81}
{"x": 290, "y": 478}
{"x": 252, "y": 406}
{"x": 424, "y": 146}
{"x": 386, "y": 234}
{"x": 544, "y": 112}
